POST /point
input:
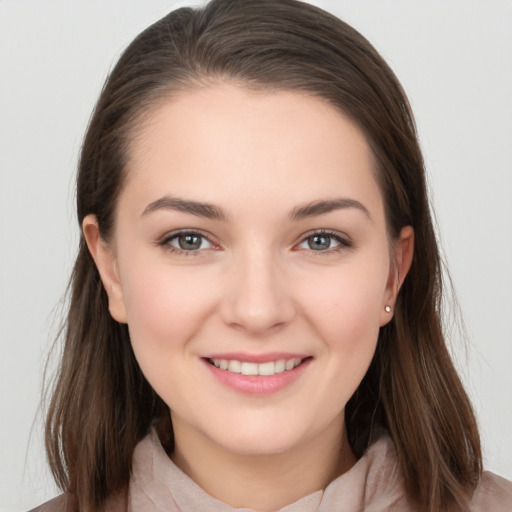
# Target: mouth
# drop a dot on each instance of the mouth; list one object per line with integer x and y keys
{"x": 249, "y": 368}
{"x": 257, "y": 374}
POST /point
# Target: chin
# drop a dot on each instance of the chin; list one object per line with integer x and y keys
{"x": 271, "y": 438}
{"x": 251, "y": 447}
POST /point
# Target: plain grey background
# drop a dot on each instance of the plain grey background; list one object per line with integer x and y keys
{"x": 454, "y": 59}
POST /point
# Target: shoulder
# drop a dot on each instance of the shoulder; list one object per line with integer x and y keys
{"x": 57, "y": 504}
{"x": 492, "y": 493}
{"x": 117, "y": 502}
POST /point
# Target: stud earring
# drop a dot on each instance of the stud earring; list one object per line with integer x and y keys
{"x": 387, "y": 309}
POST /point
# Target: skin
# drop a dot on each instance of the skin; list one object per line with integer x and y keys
{"x": 255, "y": 285}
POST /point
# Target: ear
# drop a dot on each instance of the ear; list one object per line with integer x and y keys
{"x": 402, "y": 259}
{"x": 105, "y": 260}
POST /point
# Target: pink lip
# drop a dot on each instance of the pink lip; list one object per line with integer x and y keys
{"x": 256, "y": 385}
{"x": 257, "y": 358}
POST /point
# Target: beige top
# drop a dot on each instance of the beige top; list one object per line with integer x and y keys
{"x": 372, "y": 485}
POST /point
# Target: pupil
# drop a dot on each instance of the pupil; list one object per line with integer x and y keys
{"x": 189, "y": 242}
{"x": 318, "y": 242}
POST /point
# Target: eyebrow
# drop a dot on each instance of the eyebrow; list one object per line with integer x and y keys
{"x": 210, "y": 211}
{"x": 206, "y": 210}
{"x": 327, "y": 205}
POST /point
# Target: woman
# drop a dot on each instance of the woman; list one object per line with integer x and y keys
{"x": 254, "y": 320}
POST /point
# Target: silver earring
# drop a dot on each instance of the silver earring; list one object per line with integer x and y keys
{"x": 387, "y": 309}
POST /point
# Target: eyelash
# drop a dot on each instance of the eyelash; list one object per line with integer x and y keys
{"x": 343, "y": 242}
{"x": 165, "y": 242}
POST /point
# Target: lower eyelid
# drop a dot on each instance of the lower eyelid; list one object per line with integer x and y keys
{"x": 166, "y": 240}
{"x": 176, "y": 238}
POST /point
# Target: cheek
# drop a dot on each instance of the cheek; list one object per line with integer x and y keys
{"x": 345, "y": 305}
{"x": 165, "y": 308}
{"x": 344, "y": 311}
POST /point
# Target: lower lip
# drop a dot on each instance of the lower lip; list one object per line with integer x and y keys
{"x": 257, "y": 384}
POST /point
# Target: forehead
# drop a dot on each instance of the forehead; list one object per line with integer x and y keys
{"x": 225, "y": 143}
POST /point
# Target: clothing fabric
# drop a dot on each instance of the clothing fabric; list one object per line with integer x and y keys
{"x": 373, "y": 484}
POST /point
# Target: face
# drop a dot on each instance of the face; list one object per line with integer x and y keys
{"x": 251, "y": 262}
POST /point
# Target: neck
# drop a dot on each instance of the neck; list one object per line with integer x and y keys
{"x": 263, "y": 482}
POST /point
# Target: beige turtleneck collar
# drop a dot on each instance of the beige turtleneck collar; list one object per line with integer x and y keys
{"x": 372, "y": 484}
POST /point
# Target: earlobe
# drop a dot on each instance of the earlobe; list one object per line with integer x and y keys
{"x": 105, "y": 261}
{"x": 402, "y": 260}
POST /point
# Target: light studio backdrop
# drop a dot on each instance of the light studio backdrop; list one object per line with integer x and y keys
{"x": 454, "y": 59}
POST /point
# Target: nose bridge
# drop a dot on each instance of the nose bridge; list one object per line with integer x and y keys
{"x": 259, "y": 298}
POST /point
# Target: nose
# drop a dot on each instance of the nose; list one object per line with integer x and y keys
{"x": 259, "y": 298}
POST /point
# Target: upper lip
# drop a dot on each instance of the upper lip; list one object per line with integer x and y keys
{"x": 257, "y": 358}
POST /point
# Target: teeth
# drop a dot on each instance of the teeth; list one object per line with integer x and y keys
{"x": 249, "y": 369}
{"x": 267, "y": 369}
{"x": 235, "y": 366}
{"x": 290, "y": 364}
{"x": 280, "y": 366}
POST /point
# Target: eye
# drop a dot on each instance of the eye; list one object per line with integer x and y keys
{"x": 324, "y": 242}
{"x": 187, "y": 241}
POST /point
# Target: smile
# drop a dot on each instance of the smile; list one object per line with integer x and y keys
{"x": 257, "y": 375}
{"x": 249, "y": 368}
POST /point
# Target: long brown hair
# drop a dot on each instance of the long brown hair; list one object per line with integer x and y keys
{"x": 102, "y": 405}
